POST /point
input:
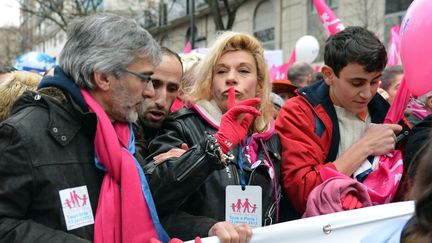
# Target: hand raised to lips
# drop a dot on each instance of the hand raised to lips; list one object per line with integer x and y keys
{"x": 235, "y": 123}
{"x": 231, "y": 97}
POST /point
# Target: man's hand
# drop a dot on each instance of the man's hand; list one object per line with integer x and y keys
{"x": 381, "y": 138}
{"x": 172, "y": 153}
{"x": 229, "y": 233}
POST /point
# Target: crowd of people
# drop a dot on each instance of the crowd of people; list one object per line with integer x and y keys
{"x": 126, "y": 141}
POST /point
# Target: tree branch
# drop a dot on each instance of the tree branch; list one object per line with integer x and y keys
{"x": 43, "y": 16}
{"x": 232, "y": 12}
{"x": 217, "y": 16}
{"x": 54, "y": 10}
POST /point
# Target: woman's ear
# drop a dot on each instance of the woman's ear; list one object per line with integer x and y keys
{"x": 102, "y": 81}
{"x": 328, "y": 74}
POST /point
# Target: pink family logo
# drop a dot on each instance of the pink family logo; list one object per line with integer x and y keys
{"x": 74, "y": 200}
{"x": 246, "y": 206}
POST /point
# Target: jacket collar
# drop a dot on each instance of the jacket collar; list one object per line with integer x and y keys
{"x": 318, "y": 94}
{"x": 209, "y": 111}
{"x": 64, "y": 82}
{"x": 63, "y": 126}
{"x": 66, "y": 118}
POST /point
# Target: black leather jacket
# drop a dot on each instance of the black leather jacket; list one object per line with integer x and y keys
{"x": 45, "y": 147}
{"x": 189, "y": 191}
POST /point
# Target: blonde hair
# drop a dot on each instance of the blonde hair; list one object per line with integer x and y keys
{"x": 228, "y": 42}
{"x": 17, "y": 83}
{"x": 190, "y": 62}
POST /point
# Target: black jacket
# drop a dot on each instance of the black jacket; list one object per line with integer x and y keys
{"x": 45, "y": 146}
{"x": 417, "y": 144}
{"x": 143, "y": 135}
{"x": 189, "y": 191}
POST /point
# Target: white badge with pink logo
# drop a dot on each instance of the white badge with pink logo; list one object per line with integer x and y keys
{"x": 244, "y": 207}
{"x": 76, "y": 206}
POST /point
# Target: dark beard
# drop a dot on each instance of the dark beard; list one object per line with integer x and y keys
{"x": 149, "y": 128}
{"x": 148, "y": 124}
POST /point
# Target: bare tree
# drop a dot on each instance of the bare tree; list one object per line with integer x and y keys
{"x": 60, "y": 12}
{"x": 367, "y": 10}
{"x": 229, "y": 7}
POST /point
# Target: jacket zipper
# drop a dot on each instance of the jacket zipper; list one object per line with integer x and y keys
{"x": 269, "y": 214}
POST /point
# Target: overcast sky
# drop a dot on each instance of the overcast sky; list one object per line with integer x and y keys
{"x": 9, "y": 12}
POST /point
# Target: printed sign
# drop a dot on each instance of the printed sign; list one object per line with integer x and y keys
{"x": 244, "y": 207}
{"x": 76, "y": 207}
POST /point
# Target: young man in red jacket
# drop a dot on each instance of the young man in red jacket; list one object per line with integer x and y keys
{"x": 336, "y": 121}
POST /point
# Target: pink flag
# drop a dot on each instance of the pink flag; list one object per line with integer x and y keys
{"x": 292, "y": 59}
{"x": 400, "y": 102}
{"x": 280, "y": 72}
{"x": 188, "y": 48}
{"x": 393, "y": 54}
{"x": 329, "y": 20}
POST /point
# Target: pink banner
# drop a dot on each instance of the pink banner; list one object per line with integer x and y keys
{"x": 281, "y": 72}
{"x": 293, "y": 58}
{"x": 329, "y": 20}
{"x": 393, "y": 54}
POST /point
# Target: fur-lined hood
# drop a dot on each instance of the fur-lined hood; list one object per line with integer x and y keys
{"x": 59, "y": 87}
{"x": 65, "y": 83}
{"x": 10, "y": 90}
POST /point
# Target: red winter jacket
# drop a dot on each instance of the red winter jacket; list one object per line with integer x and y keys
{"x": 309, "y": 133}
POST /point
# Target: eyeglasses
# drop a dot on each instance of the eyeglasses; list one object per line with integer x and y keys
{"x": 145, "y": 77}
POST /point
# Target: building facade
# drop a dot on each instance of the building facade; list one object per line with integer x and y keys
{"x": 280, "y": 23}
{"x": 277, "y": 23}
{"x": 10, "y": 45}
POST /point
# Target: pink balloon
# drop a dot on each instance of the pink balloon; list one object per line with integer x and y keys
{"x": 416, "y": 46}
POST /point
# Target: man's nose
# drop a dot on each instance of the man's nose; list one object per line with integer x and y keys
{"x": 161, "y": 97}
{"x": 148, "y": 90}
{"x": 366, "y": 92}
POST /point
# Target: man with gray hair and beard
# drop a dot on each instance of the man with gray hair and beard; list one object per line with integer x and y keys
{"x": 67, "y": 169}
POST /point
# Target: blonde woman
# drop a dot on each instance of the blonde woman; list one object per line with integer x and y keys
{"x": 232, "y": 146}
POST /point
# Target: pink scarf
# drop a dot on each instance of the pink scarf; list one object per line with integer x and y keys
{"x": 122, "y": 214}
{"x": 252, "y": 148}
